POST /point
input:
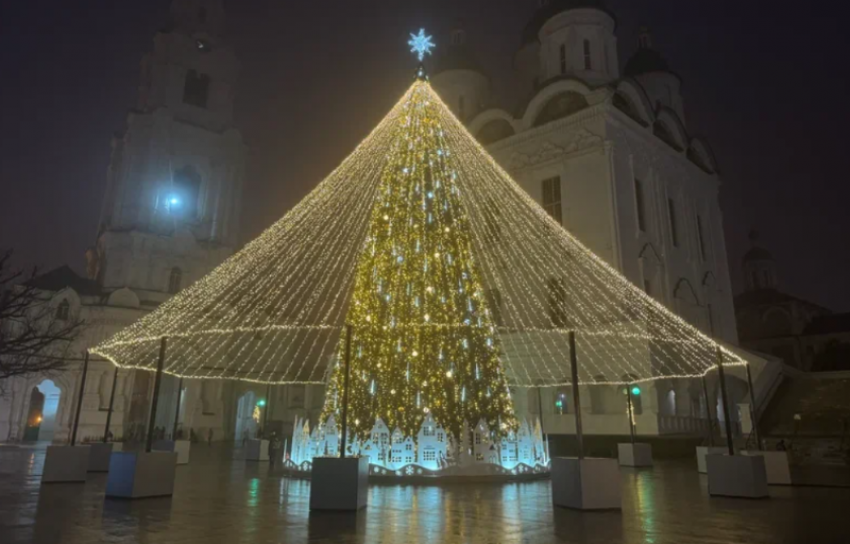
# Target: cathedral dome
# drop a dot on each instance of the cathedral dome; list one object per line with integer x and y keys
{"x": 550, "y": 8}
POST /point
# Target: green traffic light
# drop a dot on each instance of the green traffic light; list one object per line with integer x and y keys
{"x": 636, "y": 390}
{"x": 261, "y": 402}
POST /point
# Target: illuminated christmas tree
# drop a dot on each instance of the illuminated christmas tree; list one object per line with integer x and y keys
{"x": 455, "y": 283}
{"x": 423, "y": 339}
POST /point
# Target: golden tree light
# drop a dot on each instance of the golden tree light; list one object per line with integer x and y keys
{"x": 456, "y": 282}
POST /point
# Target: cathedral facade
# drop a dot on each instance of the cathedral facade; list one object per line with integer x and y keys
{"x": 605, "y": 151}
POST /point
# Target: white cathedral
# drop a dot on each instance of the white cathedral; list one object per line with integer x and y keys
{"x": 607, "y": 152}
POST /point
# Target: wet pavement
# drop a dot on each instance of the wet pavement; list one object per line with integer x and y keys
{"x": 220, "y": 498}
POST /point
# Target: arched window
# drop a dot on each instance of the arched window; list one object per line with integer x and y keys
{"x": 196, "y": 89}
{"x": 563, "y": 58}
{"x": 63, "y": 311}
{"x": 588, "y": 63}
{"x": 175, "y": 279}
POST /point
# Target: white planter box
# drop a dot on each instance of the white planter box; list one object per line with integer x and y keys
{"x": 65, "y": 464}
{"x": 586, "y": 484}
{"x": 180, "y": 447}
{"x": 776, "y": 465}
{"x": 635, "y": 455}
{"x": 702, "y": 451}
{"x": 741, "y": 476}
{"x": 100, "y": 453}
{"x": 257, "y": 450}
{"x": 138, "y": 475}
{"x": 339, "y": 484}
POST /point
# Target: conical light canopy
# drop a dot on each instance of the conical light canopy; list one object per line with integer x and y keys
{"x": 274, "y": 312}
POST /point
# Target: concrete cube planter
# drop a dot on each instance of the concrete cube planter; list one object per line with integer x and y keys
{"x": 702, "y": 451}
{"x": 339, "y": 484}
{"x": 776, "y": 465}
{"x": 635, "y": 455}
{"x": 100, "y": 453}
{"x": 742, "y": 476}
{"x": 586, "y": 484}
{"x": 138, "y": 475}
{"x": 257, "y": 450}
{"x": 180, "y": 447}
{"x": 65, "y": 464}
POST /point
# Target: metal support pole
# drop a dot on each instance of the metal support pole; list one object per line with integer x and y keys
{"x": 111, "y": 404}
{"x": 631, "y": 413}
{"x": 177, "y": 411}
{"x": 708, "y": 412}
{"x": 157, "y": 380}
{"x": 753, "y": 408}
{"x": 542, "y": 429}
{"x": 721, "y": 374}
{"x": 266, "y": 409}
{"x": 345, "y": 391}
{"x": 80, "y": 400}
{"x": 576, "y": 399}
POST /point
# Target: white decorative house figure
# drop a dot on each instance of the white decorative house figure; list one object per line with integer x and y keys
{"x": 381, "y": 441}
{"x": 525, "y": 444}
{"x": 481, "y": 443}
{"x": 508, "y": 451}
{"x": 432, "y": 444}
{"x": 403, "y": 450}
{"x": 371, "y": 451}
{"x": 331, "y": 437}
{"x": 541, "y": 454}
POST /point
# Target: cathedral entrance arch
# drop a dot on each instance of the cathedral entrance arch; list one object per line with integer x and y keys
{"x": 43, "y": 409}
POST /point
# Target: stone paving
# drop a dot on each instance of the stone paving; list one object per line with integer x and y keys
{"x": 220, "y": 498}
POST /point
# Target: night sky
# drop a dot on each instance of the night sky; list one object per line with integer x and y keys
{"x": 766, "y": 86}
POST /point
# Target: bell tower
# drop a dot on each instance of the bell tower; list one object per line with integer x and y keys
{"x": 171, "y": 208}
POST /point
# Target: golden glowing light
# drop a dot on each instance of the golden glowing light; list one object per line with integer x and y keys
{"x": 441, "y": 263}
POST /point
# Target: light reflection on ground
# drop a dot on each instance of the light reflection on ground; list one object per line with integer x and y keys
{"x": 222, "y": 499}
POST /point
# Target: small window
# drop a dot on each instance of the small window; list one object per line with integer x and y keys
{"x": 63, "y": 311}
{"x": 557, "y": 302}
{"x": 175, "y": 280}
{"x": 641, "y": 213}
{"x": 552, "y": 197}
{"x": 563, "y": 57}
{"x": 196, "y": 89}
{"x": 700, "y": 238}
{"x": 674, "y": 233}
{"x": 461, "y": 107}
{"x": 588, "y": 65}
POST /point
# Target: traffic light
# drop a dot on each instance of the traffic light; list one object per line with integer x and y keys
{"x": 261, "y": 403}
{"x": 636, "y": 391}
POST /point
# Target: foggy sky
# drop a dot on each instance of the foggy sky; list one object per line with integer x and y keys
{"x": 766, "y": 86}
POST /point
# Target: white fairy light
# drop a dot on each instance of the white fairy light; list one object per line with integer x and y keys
{"x": 275, "y": 311}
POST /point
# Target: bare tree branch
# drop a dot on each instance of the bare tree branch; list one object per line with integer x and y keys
{"x": 33, "y": 336}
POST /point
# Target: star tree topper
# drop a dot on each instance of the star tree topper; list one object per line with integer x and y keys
{"x": 420, "y": 44}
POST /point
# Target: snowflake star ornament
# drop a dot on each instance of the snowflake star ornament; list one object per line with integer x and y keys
{"x": 421, "y": 44}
